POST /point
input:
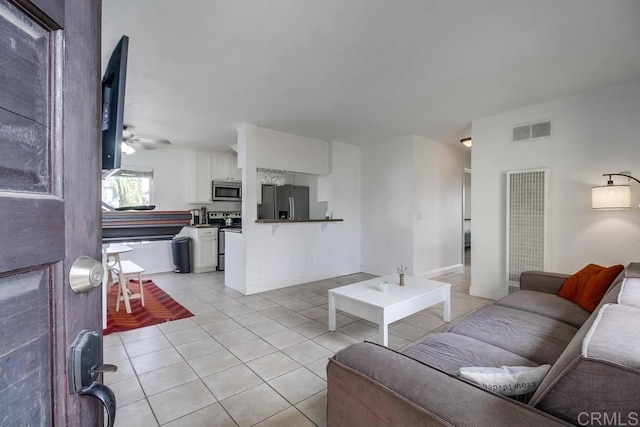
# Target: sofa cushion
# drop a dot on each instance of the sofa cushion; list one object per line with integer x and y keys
{"x": 600, "y": 371}
{"x": 587, "y": 287}
{"x": 366, "y": 383}
{"x": 614, "y": 336}
{"x": 450, "y": 352}
{"x": 546, "y": 395}
{"x": 547, "y": 305}
{"x": 529, "y": 335}
{"x": 630, "y": 293}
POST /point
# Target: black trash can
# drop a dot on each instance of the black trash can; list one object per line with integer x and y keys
{"x": 181, "y": 250}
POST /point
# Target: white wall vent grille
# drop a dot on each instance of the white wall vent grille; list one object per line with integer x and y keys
{"x": 529, "y": 131}
{"x": 527, "y": 212}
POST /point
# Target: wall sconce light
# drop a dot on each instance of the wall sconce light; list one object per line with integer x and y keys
{"x": 610, "y": 196}
{"x": 466, "y": 142}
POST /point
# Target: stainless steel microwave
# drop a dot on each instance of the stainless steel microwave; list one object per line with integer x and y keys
{"x": 228, "y": 191}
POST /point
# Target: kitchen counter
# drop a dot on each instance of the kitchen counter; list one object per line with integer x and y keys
{"x": 204, "y": 248}
{"x": 124, "y": 226}
{"x": 288, "y": 221}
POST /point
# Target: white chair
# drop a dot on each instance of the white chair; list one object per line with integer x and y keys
{"x": 124, "y": 270}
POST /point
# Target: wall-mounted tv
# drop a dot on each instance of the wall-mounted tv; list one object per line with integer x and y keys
{"x": 113, "y": 88}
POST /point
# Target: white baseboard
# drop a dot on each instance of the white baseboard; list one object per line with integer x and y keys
{"x": 455, "y": 268}
{"x": 376, "y": 271}
{"x": 284, "y": 282}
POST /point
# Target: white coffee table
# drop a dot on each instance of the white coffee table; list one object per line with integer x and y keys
{"x": 366, "y": 300}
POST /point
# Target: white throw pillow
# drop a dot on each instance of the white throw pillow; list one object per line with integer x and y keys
{"x": 506, "y": 380}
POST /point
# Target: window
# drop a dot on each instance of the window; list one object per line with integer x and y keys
{"x": 127, "y": 187}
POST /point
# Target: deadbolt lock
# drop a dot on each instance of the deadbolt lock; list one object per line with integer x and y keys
{"x": 86, "y": 273}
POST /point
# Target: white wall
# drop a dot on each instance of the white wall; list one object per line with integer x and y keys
{"x": 592, "y": 134}
{"x": 438, "y": 176}
{"x": 171, "y": 170}
{"x": 412, "y": 197}
{"x": 344, "y": 202}
{"x": 170, "y": 192}
{"x": 387, "y": 197}
{"x": 294, "y": 153}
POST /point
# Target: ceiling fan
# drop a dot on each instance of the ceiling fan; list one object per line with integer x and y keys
{"x": 131, "y": 141}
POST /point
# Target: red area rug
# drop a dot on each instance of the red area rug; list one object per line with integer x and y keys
{"x": 159, "y": 307}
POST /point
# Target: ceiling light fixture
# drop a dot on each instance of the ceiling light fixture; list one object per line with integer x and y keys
{"x": 466, "y": 142}
{"x": 610, "y": 196}
{"x": 126, "y": 148}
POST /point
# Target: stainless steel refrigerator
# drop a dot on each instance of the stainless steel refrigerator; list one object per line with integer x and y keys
{"x": 284, "y": 202}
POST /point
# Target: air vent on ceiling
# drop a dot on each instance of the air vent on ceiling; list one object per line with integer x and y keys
{"x": 531, "y": 131}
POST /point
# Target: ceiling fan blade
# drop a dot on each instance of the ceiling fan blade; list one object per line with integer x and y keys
{"x": 145, "y": 139}
{"x": 147, "y": 142}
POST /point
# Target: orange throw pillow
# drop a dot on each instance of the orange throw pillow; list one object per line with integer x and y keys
{"x": 587, "y": 287}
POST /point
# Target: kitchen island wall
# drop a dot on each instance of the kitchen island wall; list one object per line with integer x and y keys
{"x": 272, "y": 256}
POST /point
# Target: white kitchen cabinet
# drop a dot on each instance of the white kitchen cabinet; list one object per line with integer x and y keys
{"x": 200, "y": 177}
{"x": 207, "y": 166}
{"x": 220, "y": 166}
{"x": 236, "y": 172}
{"x": 224, "y": 167}
{"x": 204, "y": 255}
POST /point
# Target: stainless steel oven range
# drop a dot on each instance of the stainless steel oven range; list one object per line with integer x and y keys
{"x": 224, "y": 220}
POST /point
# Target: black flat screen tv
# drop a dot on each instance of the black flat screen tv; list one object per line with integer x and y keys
{"x": 113, "y": 88}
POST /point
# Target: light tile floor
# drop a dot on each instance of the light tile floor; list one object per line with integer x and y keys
{"x": 247, "y": 360}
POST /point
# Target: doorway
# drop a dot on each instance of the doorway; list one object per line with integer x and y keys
{"x": 466, "y": 218}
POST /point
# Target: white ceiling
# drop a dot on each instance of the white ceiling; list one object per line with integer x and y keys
{"x": 360, "y": 71}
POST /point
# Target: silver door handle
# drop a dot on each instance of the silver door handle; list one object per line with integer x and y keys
{"x": 84, "y": 365}
{"x": 291, "y": 208}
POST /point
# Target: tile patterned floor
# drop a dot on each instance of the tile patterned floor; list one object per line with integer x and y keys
{"x": 247, "y": 360}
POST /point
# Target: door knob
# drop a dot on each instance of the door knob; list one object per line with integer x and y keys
{"x": 85, "y": 363}
{"x": 86, "y": 273}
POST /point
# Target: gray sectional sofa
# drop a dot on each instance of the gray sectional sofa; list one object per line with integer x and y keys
{"x": 594, "y": 378}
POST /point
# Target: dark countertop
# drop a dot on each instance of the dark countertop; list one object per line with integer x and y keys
{"x": 288, "y": 221}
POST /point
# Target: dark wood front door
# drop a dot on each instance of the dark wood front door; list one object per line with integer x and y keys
{"x": 49, "y": 203}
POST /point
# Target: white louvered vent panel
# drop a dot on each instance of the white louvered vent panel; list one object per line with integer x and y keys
{"x": 526, "y": 222}
{"x": 531, "y": 131}
{"x": 541, "y": 130}
{"x": 521, "y": 133}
